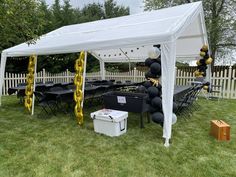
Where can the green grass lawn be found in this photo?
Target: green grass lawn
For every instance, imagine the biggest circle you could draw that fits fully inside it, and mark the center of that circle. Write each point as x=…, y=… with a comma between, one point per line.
x=57, y=146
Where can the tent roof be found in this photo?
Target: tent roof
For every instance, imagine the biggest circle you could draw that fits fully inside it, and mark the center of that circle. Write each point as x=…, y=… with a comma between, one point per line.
x=126, y=38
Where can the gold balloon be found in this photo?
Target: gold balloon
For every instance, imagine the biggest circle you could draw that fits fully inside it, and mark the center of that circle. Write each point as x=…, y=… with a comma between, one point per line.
x=78, y=81
x=204, y=48
x=205, y=87
x=196, y=73
x=202, y=54
x=198, y=62
x=209, y=61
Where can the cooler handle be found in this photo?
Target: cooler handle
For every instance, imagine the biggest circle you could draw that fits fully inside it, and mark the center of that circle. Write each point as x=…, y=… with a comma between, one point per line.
x=122, y=129
x=111, y=118
x=94, y=117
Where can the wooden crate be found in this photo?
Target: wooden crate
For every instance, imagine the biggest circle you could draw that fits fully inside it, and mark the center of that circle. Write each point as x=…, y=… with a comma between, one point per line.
x=220, y=130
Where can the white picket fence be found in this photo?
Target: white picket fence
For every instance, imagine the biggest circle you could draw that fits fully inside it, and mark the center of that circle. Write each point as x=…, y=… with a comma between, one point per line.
x=226, y=78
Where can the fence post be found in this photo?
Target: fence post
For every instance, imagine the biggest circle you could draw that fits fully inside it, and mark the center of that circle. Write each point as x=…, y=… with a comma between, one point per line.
x=105, y=76
x=67, y=75
x=43, y=75
x=229, y=82
x=135, y=74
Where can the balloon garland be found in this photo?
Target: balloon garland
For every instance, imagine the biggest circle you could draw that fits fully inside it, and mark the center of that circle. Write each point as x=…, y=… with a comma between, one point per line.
x=78, y=94
x=203, y=62
x=154, y=88
x=30, y=83
x=202, y=66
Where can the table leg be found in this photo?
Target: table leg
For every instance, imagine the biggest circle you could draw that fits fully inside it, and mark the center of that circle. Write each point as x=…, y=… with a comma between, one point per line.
x=141, y=121
x=148, y=117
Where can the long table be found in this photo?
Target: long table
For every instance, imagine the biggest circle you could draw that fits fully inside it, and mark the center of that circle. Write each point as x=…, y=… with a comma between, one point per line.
x=12, y=90
x=180, y=91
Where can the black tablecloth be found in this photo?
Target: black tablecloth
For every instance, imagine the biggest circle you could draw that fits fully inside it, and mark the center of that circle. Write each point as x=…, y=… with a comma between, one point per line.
x=180, y=91
x=16, y=89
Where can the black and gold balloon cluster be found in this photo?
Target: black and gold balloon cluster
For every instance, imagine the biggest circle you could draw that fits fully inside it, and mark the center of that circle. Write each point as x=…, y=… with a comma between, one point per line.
x=203, y=62
x=78, y=94
x=154, y=90
x=30, y=83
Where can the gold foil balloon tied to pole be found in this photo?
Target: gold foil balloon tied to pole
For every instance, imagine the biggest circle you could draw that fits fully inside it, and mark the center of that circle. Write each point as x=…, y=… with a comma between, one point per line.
x=30, y=78
x=30, y=82
x=78, y=82
x=154, y=81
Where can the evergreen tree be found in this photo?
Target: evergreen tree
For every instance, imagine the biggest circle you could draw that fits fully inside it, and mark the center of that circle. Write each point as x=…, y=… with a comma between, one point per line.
x=56, y=14
x=68, y=14
x=113, y=10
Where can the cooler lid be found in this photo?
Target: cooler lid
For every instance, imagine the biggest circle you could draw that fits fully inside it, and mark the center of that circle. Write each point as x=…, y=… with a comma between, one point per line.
x=109, y=115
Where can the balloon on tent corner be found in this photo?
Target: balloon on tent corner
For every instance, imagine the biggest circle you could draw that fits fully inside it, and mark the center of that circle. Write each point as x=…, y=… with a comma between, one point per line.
x=174, y=118
x=154, y=53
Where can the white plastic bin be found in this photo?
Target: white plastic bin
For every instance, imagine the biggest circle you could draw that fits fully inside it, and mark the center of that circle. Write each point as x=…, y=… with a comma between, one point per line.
x=110, y=122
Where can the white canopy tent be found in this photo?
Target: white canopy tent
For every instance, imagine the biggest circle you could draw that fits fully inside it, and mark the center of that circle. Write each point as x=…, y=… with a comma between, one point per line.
x=180, y=31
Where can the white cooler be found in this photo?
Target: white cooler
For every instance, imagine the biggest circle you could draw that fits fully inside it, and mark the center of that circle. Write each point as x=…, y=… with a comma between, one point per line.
x=110, y=122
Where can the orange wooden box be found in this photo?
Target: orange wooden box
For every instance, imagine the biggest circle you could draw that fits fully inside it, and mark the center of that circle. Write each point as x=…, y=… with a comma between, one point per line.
x=220, y=130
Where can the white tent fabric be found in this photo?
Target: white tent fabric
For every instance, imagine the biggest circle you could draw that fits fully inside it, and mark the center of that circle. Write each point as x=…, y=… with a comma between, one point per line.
x=180, y=31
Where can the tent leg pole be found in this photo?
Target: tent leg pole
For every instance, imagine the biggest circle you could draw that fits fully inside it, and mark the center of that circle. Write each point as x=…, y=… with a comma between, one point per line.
x=167, y=142
x=84, y=75
x=102, y=70
x=35, y=77
x=2, y=75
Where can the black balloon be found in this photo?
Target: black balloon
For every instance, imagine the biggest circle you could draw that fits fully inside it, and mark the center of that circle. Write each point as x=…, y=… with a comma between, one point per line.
x=206, y=56
x=157, y=103
x=159, y=87
x=158, y=117
x=147, y=84
x=202, y=61
x=149, y=75
x=148, y=100
x=149, y=61
x=141, y=89
x=202, y=68
x=158, y=60
x=153, y=92
x=153, y=109
x=155, y=69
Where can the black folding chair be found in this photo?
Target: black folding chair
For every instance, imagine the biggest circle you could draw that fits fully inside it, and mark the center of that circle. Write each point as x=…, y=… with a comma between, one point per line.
x=47, y=105
x=184, y=103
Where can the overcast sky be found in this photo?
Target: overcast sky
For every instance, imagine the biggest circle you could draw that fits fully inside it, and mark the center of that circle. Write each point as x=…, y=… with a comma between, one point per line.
x=135, y=6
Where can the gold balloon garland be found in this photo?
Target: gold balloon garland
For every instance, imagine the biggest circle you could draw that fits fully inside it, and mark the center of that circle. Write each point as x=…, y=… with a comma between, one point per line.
x=155, y=82
x=206, y=60
x=30, y=83
x=78, y=94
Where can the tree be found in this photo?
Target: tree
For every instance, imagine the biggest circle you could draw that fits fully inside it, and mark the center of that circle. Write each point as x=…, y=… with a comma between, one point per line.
x=29, y=19
x=113, y=10
x=46, y=15
x=68, y=15
x=19, y=22
x=56, y=14
x=220, y=22
x=91, y=12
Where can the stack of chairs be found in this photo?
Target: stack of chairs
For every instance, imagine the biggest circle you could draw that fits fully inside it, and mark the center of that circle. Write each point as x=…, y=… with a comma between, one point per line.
x=188, y=102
